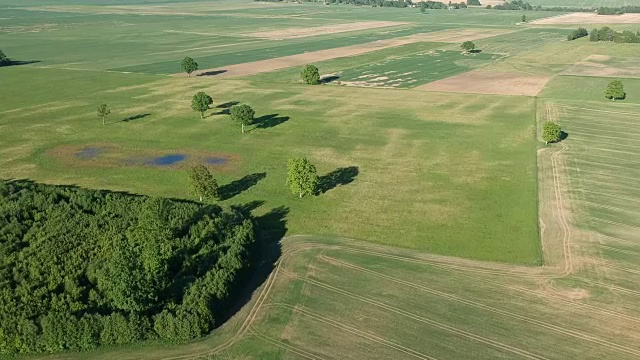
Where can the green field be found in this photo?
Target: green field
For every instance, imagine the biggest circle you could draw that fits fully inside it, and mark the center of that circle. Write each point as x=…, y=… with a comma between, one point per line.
x=585, y=3
x=435, y=210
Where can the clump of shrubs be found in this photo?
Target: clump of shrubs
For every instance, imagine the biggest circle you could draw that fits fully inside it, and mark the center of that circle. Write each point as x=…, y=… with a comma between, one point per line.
x=578, y=33
x=608, y=34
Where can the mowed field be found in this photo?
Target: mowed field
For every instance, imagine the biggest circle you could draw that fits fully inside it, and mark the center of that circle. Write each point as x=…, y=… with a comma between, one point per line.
x=436, y=206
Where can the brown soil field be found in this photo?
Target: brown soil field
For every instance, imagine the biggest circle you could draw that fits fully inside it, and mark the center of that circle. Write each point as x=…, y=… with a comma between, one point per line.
x=293, y=33
x=589, y=18
x=255, y=67
x=595, y=65
x=485, y=82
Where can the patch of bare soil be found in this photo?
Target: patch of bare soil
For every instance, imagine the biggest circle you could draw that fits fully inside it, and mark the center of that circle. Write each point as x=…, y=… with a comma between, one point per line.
x=293, y=33
x=589, y=18
x=485, y=82
x=261, y=66
x=594, y=66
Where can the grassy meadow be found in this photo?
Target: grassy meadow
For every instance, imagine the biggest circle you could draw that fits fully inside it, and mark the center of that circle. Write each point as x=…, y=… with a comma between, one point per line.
x=415, y=186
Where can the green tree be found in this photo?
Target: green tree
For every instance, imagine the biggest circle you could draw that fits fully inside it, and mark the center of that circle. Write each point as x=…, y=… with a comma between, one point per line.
x=203, y=184
x=302, y=176
x=242, y=114
x=551, y=132
x=524, y=18
x=201, y=103
x=468, y=46
x=615, y=90
x=4, y=60
x=310, y=75
x=593, y=35
x=103, y=112
x=189, y=65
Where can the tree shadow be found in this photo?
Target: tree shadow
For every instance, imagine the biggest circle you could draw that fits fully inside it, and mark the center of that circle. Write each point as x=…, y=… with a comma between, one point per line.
x=563, y=135
x=228, y=104
x=341, y=176
x=19, y=63
x=270, y=229
x=268, y=121
x=135, y=117
x=328, y=79
x=212, y=73
x=475, y=51
x=225, y=108
x=238, y=186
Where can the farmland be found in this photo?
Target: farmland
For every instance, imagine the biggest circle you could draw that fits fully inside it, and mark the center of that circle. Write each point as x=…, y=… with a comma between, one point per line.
x=442, y=225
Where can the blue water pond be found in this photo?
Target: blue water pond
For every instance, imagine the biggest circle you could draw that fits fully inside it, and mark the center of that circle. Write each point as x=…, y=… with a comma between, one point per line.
x=167, y=160
x=88, y=153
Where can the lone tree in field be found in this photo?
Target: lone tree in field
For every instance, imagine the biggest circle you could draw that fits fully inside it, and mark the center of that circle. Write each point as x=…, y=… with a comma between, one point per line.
x=103, y=112
x=468, y=46
x=302, y=176
x=242, y=114
x=551, y=132
x=4, y=60
x=201, y=103
x=189, y=65
x=310, y=75
x=203, y=185
x=524, y=18
x=615, y=91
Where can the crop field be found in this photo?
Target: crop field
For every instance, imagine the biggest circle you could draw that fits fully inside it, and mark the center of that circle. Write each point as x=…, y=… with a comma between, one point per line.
x=442, y=228
x=585, y=3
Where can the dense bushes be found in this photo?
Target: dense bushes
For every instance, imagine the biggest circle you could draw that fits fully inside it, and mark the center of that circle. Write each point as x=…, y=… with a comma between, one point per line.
x=514, y=5
x=608, y=34
x=578, y=33
x=82, y=268
x=474, y=2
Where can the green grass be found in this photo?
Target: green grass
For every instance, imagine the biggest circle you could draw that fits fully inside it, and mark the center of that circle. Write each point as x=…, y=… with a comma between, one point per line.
x=588, y=88
x=585, y=3
x=426, y=179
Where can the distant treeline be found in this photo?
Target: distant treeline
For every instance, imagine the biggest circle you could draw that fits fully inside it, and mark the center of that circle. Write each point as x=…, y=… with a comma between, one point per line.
x=519, y=5
x=578, y=33
x=608, y=34
x=83, y=268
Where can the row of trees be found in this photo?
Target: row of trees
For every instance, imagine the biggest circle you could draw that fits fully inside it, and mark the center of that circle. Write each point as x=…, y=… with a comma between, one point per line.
x=608, y=34
x=578, y=33
x=83, y=268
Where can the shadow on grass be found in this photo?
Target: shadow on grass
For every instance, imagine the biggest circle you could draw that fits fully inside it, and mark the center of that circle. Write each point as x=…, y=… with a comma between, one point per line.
x=271, y=228
x=338, y=177
x=268, y=121
x=475, y=51
x=19, y=63
x=328, y=79
x=563, y=135
x=136, y=117
x=212, y=73
x=238, y=186
x=225, y=107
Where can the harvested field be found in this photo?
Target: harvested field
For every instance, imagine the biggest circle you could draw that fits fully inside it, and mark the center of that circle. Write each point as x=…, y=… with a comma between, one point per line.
x=484, y=82
x=261, y=66
x=294, y=33
x=458, y=35
x=589, y=18
x=605, y=66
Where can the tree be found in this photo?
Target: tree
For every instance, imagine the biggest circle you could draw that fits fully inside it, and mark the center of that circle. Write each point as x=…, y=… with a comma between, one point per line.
x=103, y=112
x=242, y=114
x=551, y=132
x=524, y=18
x=302, y=176
x=189, y=65
x=468, y=46
x=201, y=103
x=203, y=185
x=615, y=91
x=4, y=60
x=310, y=75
